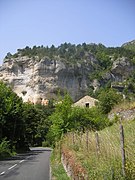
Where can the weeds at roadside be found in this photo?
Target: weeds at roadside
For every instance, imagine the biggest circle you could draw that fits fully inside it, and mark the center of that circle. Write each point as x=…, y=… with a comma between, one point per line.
x=105, y=164
x=57, y=170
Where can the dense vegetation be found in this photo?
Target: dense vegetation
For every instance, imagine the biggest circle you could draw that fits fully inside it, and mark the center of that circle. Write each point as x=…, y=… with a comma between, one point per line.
x=130, y=45
x=23, y=124
x=73, y=53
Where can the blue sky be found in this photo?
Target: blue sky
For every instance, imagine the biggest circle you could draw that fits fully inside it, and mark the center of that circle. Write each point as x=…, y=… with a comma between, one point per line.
x=46, y=22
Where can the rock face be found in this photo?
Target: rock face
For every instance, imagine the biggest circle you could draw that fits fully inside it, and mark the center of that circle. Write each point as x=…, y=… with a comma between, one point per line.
x=35, y=80
x=120, y=71
x=128, y=114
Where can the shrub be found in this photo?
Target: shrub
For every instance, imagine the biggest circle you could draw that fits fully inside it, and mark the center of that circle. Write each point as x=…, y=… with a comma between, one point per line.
x=4, y=149
x=108, y=99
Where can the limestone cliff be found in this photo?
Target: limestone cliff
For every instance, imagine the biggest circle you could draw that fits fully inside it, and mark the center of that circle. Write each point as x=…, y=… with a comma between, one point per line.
x=121, y=69
x=35, y=80
x=40, y=73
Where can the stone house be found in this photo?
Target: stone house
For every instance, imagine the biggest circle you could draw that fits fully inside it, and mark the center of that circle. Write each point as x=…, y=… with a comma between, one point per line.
x=86, y=101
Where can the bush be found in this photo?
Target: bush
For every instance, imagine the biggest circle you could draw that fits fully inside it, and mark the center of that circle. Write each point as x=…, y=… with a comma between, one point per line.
x=45, y=144
x=5, y=149
x=108, y=99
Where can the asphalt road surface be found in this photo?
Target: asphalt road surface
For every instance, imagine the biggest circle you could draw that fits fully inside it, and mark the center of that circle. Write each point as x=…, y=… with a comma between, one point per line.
x=34, y=165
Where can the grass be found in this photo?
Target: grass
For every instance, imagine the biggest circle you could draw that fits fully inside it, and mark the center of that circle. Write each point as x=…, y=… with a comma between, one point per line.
x=105, y=164
x=126, y=105
x=58, y=172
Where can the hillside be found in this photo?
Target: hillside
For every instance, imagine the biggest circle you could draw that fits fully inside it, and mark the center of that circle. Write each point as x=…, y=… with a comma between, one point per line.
x=98, y=155
x=129, y=45
x=40, y=73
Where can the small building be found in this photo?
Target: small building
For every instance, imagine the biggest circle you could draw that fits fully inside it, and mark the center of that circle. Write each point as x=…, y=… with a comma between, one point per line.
x=86, y=101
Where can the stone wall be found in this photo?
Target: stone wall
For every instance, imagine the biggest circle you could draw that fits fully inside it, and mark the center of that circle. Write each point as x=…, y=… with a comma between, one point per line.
x=128, y=114
x=72, y=167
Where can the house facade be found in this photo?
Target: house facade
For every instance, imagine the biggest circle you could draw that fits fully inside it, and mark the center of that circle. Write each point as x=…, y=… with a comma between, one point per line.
x=86, y=101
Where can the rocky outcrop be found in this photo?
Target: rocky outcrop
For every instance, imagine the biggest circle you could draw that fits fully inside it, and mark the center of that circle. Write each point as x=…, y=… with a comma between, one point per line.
x=127, y=114
x=36, y=80
x=120, y=71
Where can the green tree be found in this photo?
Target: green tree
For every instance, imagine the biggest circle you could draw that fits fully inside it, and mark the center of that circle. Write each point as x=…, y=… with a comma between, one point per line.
x=37, y=123
x=11, y=122
x=107, y=99
x=22, y=123
x=8, y=56
x=104, y=59
x=60, y=119
x=88, y=118
x=31, y=119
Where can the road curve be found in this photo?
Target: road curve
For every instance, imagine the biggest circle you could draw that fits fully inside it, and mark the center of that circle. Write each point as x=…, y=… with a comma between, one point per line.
x=34, y=165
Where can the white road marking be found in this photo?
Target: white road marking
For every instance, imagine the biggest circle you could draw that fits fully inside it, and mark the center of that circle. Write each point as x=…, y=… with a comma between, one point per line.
x=12, y=166
x=29, y=157
x=22, y=161
x=2, y=173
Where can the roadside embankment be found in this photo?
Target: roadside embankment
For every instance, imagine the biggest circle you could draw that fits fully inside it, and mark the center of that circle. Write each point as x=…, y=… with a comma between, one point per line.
x=72, y=167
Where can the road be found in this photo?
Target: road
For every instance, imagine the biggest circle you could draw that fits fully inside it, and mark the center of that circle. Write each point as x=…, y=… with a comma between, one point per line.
x=34, y=165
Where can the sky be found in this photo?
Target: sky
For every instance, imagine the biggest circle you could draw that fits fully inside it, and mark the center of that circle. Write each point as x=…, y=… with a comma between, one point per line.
x=46, y=22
